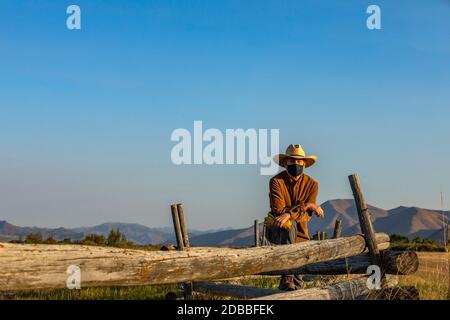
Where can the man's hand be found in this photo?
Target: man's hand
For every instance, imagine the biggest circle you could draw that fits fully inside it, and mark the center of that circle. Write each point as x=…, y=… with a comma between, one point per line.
x=281, y=219
x=316, y=208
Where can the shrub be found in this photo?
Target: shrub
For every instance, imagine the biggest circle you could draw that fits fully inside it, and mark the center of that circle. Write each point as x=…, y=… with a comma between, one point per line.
x=34, y=238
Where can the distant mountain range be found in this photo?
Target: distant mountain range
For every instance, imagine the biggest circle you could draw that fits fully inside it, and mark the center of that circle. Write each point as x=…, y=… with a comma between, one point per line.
x=137, y=233
x=406, y=221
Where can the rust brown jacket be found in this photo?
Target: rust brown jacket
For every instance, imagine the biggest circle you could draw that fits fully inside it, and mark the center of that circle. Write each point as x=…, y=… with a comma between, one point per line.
x=289, y=196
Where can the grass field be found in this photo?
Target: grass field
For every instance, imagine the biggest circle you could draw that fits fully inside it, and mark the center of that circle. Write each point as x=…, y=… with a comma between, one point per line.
x=433, y=277
x=432, y=280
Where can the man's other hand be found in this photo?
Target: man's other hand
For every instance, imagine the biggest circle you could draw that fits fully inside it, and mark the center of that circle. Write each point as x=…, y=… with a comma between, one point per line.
x=316, y=208
x=281, y=219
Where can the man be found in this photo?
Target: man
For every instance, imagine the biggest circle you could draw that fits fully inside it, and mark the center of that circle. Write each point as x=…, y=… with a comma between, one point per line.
x=293, y=196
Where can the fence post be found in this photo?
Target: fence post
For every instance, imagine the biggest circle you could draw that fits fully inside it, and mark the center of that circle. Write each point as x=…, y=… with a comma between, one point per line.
x=337, y=229
x=176, y=226
x=263, y=236
x=183, y=225
x=364, y=220
x=256, y=230
x=182, y=240
x=318, y=235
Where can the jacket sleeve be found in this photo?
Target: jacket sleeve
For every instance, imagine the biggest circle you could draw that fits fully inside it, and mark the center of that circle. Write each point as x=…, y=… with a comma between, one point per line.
x=278, y=204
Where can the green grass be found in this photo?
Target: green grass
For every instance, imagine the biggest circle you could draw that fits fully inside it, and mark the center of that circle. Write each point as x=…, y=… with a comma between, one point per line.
x=157, y=292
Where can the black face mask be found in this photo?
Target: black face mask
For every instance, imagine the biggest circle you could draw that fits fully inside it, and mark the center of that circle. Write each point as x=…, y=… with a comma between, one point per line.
x=295, y=169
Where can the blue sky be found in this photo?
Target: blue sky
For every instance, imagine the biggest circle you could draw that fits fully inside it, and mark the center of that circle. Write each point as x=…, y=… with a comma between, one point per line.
x=86, y=115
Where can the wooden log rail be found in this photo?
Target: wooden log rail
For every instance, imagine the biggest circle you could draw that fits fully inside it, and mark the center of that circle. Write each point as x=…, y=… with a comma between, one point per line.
x=394, y=262
x=26, y=266
x=345, y=290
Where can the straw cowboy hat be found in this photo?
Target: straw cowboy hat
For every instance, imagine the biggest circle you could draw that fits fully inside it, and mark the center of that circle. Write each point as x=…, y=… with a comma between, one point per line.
x=295, y=151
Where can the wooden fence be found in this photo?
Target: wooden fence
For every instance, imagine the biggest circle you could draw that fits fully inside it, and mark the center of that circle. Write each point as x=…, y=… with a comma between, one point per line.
x=29, y=266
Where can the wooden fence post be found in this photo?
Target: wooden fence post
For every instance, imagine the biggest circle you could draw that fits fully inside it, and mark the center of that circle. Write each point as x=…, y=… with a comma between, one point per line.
x=187, y=286
x=256, y=230
x=177, y=228
x=364, y=220
x=263, y=236
x=337, y=229
x=183, y=225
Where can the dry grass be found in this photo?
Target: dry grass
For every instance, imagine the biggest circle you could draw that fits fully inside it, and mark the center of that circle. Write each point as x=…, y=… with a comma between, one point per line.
x=433, y=277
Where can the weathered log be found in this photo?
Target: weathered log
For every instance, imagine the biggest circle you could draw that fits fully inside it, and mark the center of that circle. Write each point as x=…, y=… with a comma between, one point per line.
x=232, y=290
x=24, y=266
x=394, y=262
x=345, y=290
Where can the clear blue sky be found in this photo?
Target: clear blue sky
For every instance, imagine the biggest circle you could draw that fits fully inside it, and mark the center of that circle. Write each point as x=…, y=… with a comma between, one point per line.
x=86, y=116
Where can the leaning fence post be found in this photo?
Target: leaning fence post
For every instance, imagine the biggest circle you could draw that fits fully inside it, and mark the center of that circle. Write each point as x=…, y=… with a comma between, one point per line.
x=256, y=230
x=364, y=220
x=183, y=225
x=337, y=229
x=176, y=226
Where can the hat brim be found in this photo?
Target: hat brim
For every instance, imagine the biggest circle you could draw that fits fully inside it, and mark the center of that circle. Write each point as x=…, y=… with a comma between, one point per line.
x=309, y=160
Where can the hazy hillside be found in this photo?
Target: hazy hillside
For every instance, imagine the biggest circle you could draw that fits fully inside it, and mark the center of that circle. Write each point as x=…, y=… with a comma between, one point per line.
x=134, y=232
x=11, y=232
x=439, y=235
x=137, y=233
x=410, y=221
x=344, y=210
x=232, y=237
x=407, y=221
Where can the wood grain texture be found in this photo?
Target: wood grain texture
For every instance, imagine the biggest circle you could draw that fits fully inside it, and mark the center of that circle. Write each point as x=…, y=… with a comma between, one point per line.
x=345, y=290
x=394, y=262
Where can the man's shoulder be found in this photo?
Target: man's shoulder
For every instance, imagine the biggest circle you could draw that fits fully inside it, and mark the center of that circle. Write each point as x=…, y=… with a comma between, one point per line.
x=279, y=176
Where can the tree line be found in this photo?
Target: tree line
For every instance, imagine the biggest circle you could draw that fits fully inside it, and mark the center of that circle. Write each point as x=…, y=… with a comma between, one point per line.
x=399, y=242
x=115, y=238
